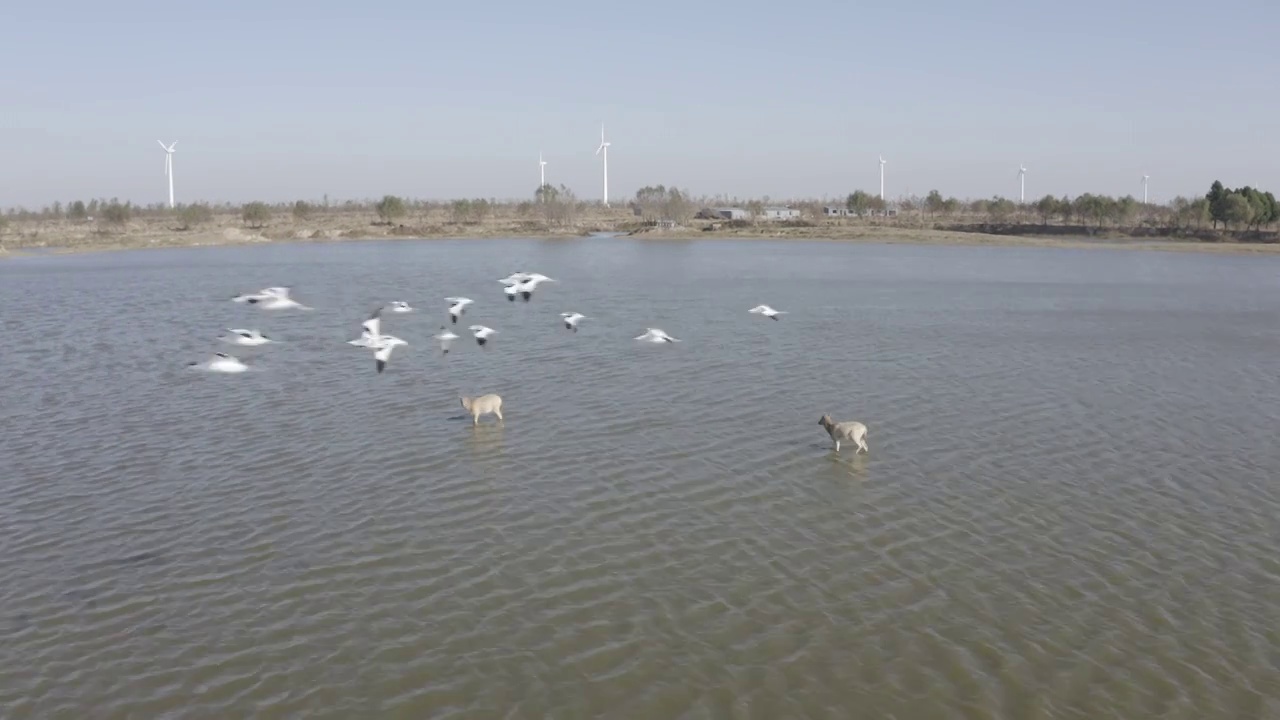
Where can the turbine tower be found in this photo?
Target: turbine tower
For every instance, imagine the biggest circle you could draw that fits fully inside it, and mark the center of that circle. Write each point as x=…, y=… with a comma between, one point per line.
x=881, y=177
x=168, y=166
x=1022, y=183
x=604, y=148
x=1145, y=178
x=542, y=168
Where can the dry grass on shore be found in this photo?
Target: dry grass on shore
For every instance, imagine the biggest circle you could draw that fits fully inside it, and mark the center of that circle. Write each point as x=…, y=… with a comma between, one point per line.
x=229, y=228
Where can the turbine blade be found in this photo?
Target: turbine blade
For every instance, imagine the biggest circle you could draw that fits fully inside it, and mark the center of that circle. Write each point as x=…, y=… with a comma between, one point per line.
x=162, y=145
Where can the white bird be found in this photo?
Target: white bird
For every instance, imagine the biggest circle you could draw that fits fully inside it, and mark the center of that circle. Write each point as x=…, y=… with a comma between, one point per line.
x=399, y=306
x=277, y=299
x=482, y=334
x=446, y=338
x=372, y=336
x=381, y=357
x=571, y=320
x=654, y=335
x=523, y=289
x=263, y=294
x=515, y=277
x=767, y=311
x=241, y=336
x=222, y=362
x=457, y=306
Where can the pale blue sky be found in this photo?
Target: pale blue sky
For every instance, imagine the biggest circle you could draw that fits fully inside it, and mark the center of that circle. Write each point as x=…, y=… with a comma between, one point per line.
x=279, y=101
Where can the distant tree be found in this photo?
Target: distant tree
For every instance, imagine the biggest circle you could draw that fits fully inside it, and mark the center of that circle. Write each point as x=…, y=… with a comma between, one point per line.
x=76, y=210
x=950, y=206
x=658, y=202
x=1216, y=196
x=480, y=209
x=1093, y=208
x=4, y=224
x=999, y=209
x=301, y=210
x=1192, y=213
x=117, y=214
x=754, y=208
x=858, y=203
x=560, y=206
x=650, y=199
x=94, y=206
x=1065, y=209
x=390, y=208
x=877, y=204
x=255, y=214
x=461, y=211
x=1124, y=209
x=934, y=203
x=56, y=210
x=1262, y=206
x=546, y=194
x=1235, y=210
x=194, y=214
x=524, y=209
x=1047, y=208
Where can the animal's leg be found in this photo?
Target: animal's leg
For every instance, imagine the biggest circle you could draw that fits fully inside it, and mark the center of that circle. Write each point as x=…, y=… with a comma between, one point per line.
x=498, y=412
x=837, y=446
x=475, y=420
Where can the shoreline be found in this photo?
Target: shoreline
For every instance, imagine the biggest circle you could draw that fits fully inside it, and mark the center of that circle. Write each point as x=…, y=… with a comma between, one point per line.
x=232, y=237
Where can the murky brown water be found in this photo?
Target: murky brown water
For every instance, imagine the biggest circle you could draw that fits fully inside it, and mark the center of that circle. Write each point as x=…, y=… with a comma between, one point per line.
x=1070, y=509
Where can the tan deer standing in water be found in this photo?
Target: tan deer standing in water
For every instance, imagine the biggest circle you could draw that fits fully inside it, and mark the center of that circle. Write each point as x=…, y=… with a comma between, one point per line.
x=483, y=405
x=849, y=431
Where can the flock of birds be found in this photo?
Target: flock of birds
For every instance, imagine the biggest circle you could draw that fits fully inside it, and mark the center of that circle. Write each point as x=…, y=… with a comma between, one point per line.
x=520, y=284
x=517, y=284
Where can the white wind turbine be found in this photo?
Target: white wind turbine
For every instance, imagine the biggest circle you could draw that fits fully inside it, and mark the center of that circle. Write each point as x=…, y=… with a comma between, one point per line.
x=604, y=148
x=881, y=177
x=542, y=169
x=168, y=166
x=1145, y=178
x=1022, y=183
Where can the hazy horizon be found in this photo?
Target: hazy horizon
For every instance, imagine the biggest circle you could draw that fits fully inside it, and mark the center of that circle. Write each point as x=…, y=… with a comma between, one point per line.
x=281, y=101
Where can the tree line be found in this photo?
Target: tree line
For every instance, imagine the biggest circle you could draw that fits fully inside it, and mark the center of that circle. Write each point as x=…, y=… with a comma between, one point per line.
x=1240, y=209
x=1244, y=208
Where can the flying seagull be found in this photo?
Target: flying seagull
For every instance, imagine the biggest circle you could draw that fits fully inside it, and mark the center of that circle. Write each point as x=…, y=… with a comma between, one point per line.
x=241, y=336
x=457, y=306
x=767, y=311
x=482, y=334
x=571, y=320
x=655, y=335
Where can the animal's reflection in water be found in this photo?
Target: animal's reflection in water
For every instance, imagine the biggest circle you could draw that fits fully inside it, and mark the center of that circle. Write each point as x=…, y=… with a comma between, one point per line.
x=851, y=465
x=485, y=439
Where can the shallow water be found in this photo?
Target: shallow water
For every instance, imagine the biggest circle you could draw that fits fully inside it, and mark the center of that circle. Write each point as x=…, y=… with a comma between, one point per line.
x=1069, y=509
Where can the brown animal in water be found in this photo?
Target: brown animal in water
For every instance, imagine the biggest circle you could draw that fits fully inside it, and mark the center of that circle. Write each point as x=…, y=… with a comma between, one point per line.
x=483, y=405
x=849, y=431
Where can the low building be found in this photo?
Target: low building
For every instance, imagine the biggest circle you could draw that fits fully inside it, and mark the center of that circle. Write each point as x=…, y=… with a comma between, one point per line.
x=781, y=213
x=835, y=211
x=723, y=213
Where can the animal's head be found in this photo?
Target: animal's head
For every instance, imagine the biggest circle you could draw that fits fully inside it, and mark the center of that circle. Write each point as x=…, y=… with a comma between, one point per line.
x=466, y=402
x=825, y=421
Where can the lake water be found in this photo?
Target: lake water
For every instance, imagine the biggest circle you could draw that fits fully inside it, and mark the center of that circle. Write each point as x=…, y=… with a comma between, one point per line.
x=1070, y=506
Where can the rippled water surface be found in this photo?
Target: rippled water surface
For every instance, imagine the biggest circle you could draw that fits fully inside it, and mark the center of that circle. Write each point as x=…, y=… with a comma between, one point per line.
x=1069, y=510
